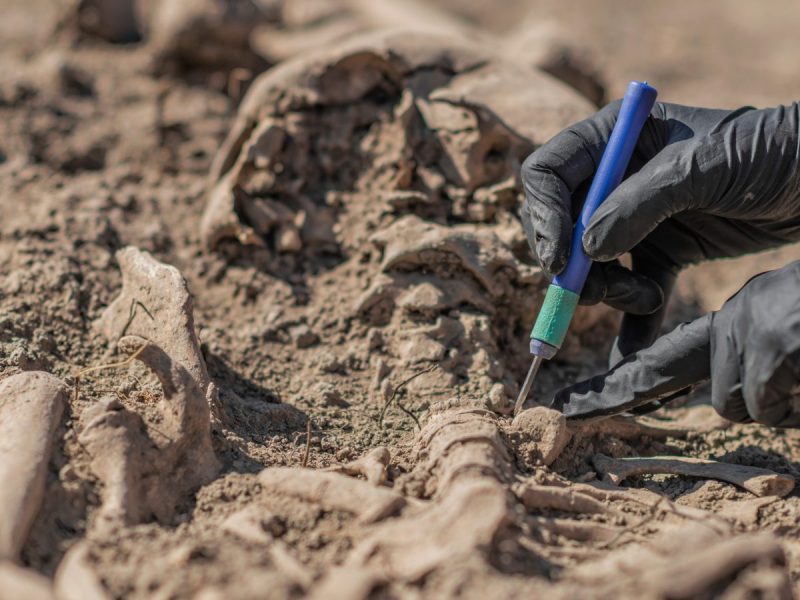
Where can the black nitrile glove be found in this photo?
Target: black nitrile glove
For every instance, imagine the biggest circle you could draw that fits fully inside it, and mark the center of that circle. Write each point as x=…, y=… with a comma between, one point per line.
x=750, y=349
x=702, y=184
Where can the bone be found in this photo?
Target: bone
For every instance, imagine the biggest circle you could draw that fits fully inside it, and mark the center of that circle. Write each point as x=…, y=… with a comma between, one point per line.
x=535, y=43
x=611, y=495
x=689, y=574
x=479, y=146
x=480, y=253
x=332, y=491
x=31, y=405
x=145, y=470
x=538, y=497
x=683, y=562
x=155, y=304
x=348, y=582
x=18, y=582
x=372, y=466
x=761, y=482
x=146, y=473
x=462, y=444
x=463, y=460
x=580, y=531
x=75, y=579
x=464, y=522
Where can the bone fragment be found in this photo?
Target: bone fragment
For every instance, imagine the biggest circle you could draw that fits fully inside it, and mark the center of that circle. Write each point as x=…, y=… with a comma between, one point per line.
x=19, y=582
x=580, y=531
x=690, y=574
x=372, y=466
x=761, y=482
x=147, y=476
x=31, y=405
x=539, y=497
x=155, y=304
x=75, y=579
x=333, y=491
x=461, y=523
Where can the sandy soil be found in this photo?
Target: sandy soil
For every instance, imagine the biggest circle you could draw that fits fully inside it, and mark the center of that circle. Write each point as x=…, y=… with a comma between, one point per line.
x=271, y=260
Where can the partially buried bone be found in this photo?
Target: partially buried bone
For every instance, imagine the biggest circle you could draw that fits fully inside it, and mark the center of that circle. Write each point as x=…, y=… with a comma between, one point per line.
x=31, y=405
x=362, y=117
x=75, y=577
x=458, y=445
x=155, y=304
x=686, y=562
x=479, y=252
x=19, y=582
x=372, y=466
x=539, y=497
x=465, y=521
x=145, y=470
x=464, y=461
x=761, y=482
x=463, y=468
x=332, y=491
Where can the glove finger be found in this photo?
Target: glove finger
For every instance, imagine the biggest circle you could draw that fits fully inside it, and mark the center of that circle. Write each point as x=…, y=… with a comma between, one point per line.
x=726, y=384
x=639, y=331
x=661, y=188
x=552, y=175
x=621, y=289
x=773, y=400
x=677, y=360
x=546, y=219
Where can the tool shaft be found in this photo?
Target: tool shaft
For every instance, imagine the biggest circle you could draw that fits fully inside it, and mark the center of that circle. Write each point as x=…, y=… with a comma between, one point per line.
x=526, y=387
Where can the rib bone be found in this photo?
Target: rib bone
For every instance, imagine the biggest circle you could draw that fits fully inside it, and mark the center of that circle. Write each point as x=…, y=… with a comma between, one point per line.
x=761, y=482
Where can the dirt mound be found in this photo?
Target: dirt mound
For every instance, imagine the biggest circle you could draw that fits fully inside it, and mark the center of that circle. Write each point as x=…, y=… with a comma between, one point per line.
x=330, y=150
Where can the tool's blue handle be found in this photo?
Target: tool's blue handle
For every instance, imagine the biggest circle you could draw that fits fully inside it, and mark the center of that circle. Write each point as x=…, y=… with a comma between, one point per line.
x=636, y=106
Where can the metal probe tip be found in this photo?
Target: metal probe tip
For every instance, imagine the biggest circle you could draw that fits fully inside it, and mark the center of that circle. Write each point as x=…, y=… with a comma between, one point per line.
x=526, y=387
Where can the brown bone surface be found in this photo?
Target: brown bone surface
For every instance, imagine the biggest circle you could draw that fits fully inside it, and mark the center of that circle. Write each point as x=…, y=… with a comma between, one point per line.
x=147, y=468
x=31, y=405
x=761, y=482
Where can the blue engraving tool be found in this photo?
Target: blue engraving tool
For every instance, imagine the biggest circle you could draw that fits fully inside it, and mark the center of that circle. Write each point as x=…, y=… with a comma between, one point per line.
x=563, y=294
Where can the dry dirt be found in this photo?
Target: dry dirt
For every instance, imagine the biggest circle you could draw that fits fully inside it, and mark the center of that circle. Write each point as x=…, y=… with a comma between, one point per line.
x=264, y=302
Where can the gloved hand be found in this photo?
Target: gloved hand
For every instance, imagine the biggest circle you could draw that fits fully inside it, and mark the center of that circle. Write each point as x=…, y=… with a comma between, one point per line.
x=750, y=349
x=701, y=184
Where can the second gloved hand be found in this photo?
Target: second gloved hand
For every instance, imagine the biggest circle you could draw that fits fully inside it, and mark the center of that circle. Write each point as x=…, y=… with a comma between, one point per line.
x=750, y=349
x=702, y=184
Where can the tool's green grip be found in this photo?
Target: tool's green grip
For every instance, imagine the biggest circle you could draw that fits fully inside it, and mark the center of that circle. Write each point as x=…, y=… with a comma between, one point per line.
x=555, y=315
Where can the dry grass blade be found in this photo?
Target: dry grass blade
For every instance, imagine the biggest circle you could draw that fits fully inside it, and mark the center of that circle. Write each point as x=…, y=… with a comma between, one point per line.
x=307, y=453
x=393, y=397
x=115, y=365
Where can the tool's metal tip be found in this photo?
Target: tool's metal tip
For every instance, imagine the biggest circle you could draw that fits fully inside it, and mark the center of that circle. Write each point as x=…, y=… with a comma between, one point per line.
x=526, y=387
